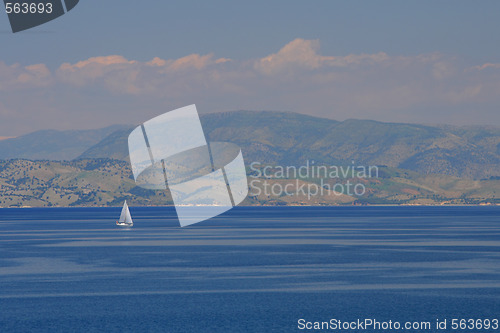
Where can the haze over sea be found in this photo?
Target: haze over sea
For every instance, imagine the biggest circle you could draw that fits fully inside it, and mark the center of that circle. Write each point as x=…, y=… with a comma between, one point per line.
x=252, y=269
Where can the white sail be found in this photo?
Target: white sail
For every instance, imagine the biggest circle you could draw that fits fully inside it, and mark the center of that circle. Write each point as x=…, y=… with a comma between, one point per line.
x=124, y=212
x=125, y=217
x=128, y=217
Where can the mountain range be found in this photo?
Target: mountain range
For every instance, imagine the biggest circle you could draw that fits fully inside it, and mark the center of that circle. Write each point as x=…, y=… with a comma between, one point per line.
x=54, y=145
x=281, y=138
x=417, y=164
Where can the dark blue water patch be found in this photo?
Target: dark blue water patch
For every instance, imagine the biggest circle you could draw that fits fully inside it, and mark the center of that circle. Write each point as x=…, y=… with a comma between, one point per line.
x=237, y=312
x=252, y=269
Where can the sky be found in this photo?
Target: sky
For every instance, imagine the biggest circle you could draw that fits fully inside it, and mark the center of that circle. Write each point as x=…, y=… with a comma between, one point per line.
x=123, y=62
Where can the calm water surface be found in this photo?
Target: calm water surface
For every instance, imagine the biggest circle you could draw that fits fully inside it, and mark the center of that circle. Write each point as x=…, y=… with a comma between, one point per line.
x=249, y=270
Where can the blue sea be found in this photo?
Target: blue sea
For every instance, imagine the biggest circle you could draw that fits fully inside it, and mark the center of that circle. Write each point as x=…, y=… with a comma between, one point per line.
x=253, y=269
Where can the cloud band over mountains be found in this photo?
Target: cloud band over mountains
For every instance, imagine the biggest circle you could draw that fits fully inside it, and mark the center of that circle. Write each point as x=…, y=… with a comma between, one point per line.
x=103, y=90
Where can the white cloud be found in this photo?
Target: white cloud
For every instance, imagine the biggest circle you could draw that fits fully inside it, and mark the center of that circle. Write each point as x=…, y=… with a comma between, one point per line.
x=17, y=77
x=423, y=88
x=487, y=66
x=110, y=68
x=304, y=54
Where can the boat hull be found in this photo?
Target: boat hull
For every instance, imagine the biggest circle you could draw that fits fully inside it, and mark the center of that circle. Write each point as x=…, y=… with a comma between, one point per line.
x=124, y=225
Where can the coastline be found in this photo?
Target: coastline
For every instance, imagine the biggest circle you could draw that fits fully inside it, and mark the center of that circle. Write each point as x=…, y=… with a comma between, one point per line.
x=281, y=206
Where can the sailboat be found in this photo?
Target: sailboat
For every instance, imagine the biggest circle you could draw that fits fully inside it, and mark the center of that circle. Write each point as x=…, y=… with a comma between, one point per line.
x=125, y=218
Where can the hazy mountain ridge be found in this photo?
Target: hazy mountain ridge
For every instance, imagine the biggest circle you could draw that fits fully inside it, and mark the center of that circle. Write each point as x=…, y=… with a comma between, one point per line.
x=52, y=144
x=281, y=138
